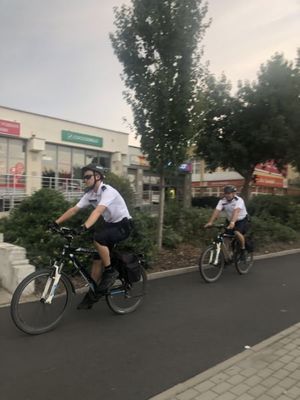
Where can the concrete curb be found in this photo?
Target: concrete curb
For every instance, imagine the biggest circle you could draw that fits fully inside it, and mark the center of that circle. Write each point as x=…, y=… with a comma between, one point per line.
x=5, y=300
x=179, y=271
x=197, y=379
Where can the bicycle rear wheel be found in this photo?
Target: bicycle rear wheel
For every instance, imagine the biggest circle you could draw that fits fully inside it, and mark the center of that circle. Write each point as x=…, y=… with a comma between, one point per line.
x=30, y=310
x=124, y=297
x=243, y=266
x=209, y=270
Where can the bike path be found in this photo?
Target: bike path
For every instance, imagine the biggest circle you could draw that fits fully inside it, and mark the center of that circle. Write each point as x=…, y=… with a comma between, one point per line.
x=184, y=328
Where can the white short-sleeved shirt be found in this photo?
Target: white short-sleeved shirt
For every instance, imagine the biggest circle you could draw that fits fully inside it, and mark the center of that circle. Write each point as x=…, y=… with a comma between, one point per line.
x=229, y=206
x=109, y=197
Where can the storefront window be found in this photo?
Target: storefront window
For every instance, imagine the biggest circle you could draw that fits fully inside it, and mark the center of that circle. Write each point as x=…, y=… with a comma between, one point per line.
x=16, y=163
x=97, y=158
x=77, y=163
x=3, y=156
x=64, y=162
x=49, y=160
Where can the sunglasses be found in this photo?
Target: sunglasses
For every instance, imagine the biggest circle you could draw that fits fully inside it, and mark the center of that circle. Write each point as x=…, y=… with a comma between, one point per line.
x=87, y=177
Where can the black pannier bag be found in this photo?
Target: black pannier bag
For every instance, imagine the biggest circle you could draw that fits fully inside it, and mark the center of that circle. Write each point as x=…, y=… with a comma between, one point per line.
x=249, y=244
x=132, y=266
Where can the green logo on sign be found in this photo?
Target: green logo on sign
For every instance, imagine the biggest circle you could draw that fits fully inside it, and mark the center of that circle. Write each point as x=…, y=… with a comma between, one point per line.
x=74, y=137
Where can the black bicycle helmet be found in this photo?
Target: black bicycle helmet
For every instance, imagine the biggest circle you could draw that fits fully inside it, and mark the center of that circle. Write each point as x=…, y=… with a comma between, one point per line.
x=229, y=189
x=95, y=168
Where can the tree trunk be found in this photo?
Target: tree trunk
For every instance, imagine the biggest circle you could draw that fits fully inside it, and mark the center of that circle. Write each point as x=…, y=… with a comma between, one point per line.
x=161, y=210
x=245, y=194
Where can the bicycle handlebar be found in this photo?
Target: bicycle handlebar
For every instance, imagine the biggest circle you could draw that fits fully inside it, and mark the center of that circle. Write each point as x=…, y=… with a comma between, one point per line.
x=218, y=226
x=63, y=231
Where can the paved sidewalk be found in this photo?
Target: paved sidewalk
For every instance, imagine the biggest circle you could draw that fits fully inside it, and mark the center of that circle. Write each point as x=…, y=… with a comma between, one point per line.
x=269, y=370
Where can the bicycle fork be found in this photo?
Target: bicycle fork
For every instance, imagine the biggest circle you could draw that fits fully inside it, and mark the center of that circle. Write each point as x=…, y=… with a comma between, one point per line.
x=214, y=256
x=51, y=284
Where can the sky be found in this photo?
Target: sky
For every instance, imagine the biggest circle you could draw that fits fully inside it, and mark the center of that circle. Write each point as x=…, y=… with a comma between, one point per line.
x=56, y=58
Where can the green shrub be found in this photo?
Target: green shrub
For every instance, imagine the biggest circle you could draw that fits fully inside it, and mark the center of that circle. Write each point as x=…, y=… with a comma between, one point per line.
x=144, y=236
x=279, y=207
x=123, y=187
x=205, y=201
x=26, y=225
x=187, y=222
x=268, y=230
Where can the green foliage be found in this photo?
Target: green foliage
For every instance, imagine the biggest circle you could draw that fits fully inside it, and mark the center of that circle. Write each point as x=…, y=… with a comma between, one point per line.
x=26, y=225
x=268, y=231
x=142, y=239
x=205, y=201
x=122, y=185
x=284, y=210
x=184, y=225
x=260, y=123
x=158, y=44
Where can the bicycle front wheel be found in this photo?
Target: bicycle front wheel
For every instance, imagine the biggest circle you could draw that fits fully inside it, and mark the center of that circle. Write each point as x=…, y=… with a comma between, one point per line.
x=211, y=266
x=125, y=298
x=33, y=309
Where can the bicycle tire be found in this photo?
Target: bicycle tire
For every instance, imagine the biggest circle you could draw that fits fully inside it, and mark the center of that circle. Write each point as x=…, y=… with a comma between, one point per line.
x=124, y=301
x=210, y=272
x=27, y=302
x=244, y=266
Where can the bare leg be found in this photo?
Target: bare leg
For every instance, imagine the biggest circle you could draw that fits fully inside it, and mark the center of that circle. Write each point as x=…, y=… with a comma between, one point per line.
x=97, y=270
x=240, y=238
x=103, y=253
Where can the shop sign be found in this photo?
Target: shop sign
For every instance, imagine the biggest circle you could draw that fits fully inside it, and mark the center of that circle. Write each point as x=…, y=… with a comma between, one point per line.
x=185, y=167
x=270, y=181
x=139, y=160
x=80, y=138
x=9, y=127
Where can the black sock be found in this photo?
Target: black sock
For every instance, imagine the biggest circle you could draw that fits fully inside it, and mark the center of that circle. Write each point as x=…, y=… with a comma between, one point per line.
x=109, y=268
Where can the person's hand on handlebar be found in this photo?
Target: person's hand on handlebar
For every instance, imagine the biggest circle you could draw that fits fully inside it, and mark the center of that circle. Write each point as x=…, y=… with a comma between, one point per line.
x=53, y=226
x=208, y=225
x=81, y=229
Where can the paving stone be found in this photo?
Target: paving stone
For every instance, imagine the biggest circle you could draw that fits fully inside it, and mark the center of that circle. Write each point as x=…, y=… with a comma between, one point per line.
x=257, y=391
x=209, y=395
x=296, y=374
x=240, y=389
x=204, y=386
x=234, y=380
x=221, y=387
x=253, y=381
x=294, y=392
x=221, y=377
x=188, y=394
x=270, y=382
x=287, y=383
x=292, y=366
x=226, y=396
x=265, y=373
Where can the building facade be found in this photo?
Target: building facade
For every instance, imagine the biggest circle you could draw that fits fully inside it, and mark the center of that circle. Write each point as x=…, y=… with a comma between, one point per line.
x=39, y=151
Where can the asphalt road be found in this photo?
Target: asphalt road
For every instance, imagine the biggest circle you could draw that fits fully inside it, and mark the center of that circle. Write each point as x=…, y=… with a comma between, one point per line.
x=184, y=327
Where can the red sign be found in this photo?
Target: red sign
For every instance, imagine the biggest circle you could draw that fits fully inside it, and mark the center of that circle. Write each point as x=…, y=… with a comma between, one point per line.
x=270, y=181
x=9, y=127
x=269, y=167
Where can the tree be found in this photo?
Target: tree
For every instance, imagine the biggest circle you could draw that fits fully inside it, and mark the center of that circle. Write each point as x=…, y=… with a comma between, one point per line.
x=259, y=124
x=157, y=43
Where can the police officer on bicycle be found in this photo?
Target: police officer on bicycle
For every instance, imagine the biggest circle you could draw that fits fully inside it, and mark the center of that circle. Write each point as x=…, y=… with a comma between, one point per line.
x=108, y=203
x=236, y=213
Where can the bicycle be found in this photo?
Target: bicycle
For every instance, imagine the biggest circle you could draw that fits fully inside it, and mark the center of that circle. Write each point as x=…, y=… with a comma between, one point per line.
x=42, y=298
x=218, y=254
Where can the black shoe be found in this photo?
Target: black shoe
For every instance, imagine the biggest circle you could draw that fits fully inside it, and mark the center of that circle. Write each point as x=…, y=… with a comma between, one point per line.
x=243, y=255
x=88, y=301
x=108, y=279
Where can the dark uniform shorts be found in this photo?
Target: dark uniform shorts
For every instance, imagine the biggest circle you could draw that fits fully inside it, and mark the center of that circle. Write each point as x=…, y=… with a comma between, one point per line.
x=242, y=226
x=112, y=233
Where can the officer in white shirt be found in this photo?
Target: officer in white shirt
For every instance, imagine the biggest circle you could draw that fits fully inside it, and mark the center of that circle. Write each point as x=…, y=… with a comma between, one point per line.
x=108, y=203
x=236, y=213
